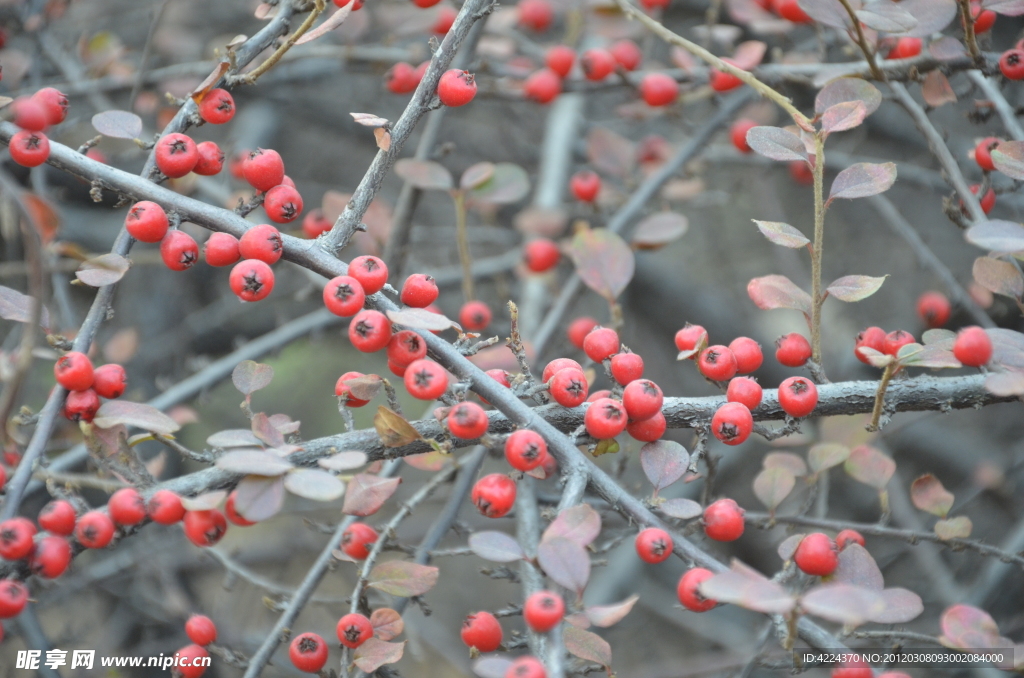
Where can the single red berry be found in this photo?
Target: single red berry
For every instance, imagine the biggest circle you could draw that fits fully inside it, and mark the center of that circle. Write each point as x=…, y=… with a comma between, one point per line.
x=315, y=223
x=541, y=255
x=655, y=4
x=237, y=164
x=791, y=11
x=798, y=396
x=659, y=89
x=723, y=520
x=109, y=381
x=500, y=376
x=354, y=630
x=343, y=296
x=401, y=78
x=816, y=555
x=217, y=108
x=494, y=495
x=179, y=250
x=126, y=507
x=1011, y=64
x=475, y=316
x=579, y=329
x=648, y=430
x=263, y=169
x=419, y=291
x=601, y=343
x=732, y=423
x=371, y=272
x=543, y=86
x=467, y=421
x=97, y=155
x=406, y=347
x=585, y=185
x=983, y=152
x=221, y=249
x=792, y=350
x=973, y=347
x=16, y=537
x=176, y=154
x=201, y=630
x=984, y=19
x=205, y=528
x=29, y=149
x=721, y=81
x=543, y=611
x=232, y=514
x=94, y=530
x=559, y=364
x=456, y=88
x=74, y=371
x=369, y=331
x=51, y=557
x=58, y=517
x=426, y=380
x=642, y=399
x=653, y=545
x=560, y=59
x=525, y=450
x=747, y=353
x=896, y=340
x=13, y=596
x=717, y=363
x=54, y=102
x=342, y=390
x=165, y=507
x=526, y=667
x=846, y=537
x=482, y=631
x=262, y=242
x=801, y=172
x=251, y=280
x=397, y=370
x=856, y=668
x=597, y=64
x=689, y=593
x=211, y=159
x=283, y=204
x=873, y=338
x=535, y=14
x=738, y=133
x=356, y=6
x=357, y=540
x=627, y=367
x=308, y=652
x=191, y=662
x=81, y=405
x=934, y=309
x=605, y=418
x=987, y=201
x=906, y=48
x=568, y=387
x=690, y=338
x=29, y=114
x=628, y=55
x=744, y=390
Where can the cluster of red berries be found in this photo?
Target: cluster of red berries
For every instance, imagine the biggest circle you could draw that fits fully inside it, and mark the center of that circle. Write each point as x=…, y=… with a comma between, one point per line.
x=201, y=630
x=972, y=346
x=308, y=651
x=542, y=612
x=74, y=371
x=33, y=114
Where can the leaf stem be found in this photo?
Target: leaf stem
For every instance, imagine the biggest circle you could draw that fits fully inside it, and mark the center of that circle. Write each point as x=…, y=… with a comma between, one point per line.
x=817, y=298
x=462, y=234
x=251, y=77
x=876, y=413
x=969, y=37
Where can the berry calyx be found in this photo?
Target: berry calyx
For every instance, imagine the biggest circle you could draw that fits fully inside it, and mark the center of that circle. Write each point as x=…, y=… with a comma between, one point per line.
x=744, y=390
x=176, y=155
x=179, y=250
x=568, y=387
x=221, y=249
x=201, y=630
x=627, y=367
x=732, y=423
x=653, y=545
x=308, y=652
x=354, y=630
x=456, y=88
x=283, y=204
x=934, y=309
x=28, y=148
x=467, y=421
x=723, y=520
x=344, y=296
x=425, y=379
x=482, y=631
x=494, y=495
x=659, y=89
x=605, y=418
x=58, y=517
x=263, y=169
x=525, y=450
x=747, y=353
x=146, y=221
x=717, y=363
x=896, y=340
x=126, y=507
x=165, y=508
x=369, y=331
x=543, y=611
x=585, y=185
x=217, y=108
x=357, y=540
x=601, y=343
x=973, y=347
x=792, y=350
x=251, y=280
x=94, y=530
x=74, y=371
x=688, y=590
x=798, y=396
x=371, y=272
x=406, y=347
x=642, y=399
x=205, y=528
x=816, y=555
x=475, y=316
x=419, y=290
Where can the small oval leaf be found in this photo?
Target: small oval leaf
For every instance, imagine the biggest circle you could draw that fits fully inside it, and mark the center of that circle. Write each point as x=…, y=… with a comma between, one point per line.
x=366, y=493
x=566, y=562
x=403, y=578
x=497, y=547
x=664, y=462
x=658, y=230
x=862, y=180
x=778, y=291
x=250, y=376
x=118, y=124
x=314, y=484
x=851, y=288
x=424, y=174
x=782, y=234
x=254, y=462
x=106, y=269
x=139, y=415
x=776, y=143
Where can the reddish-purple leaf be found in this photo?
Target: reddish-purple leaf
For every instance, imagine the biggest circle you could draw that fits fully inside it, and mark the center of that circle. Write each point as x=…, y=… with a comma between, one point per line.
x=326, y=27
x=580, y=523
x=851, y=288
x=683, y=509
x=946, y=48
x=843, y=90
x=254, y=462
x=901, y=606
x=773, y=485
x=497, y=547
x=870, y=466
x=365, y=387
x=747, y=588
x=954, y=528
x=998, y=276
x=258, y=497
x=424, y=174
x=475, y=175
x=610, y=152
x=312, y=483
x=1005, y=7
x=565, y=562
x=118, y=124
x=17, y=307
x=857, y=568
x=778, y=291
x=828, y=12
x=963, y=625
x=886, y=16
x=366, y=493
x=587, y=646
x=776, y=143
x=509, y=183
x=105, y=269
x=265, y=431
x=609, y=615
x=932, y=15
x=139, y=415
x=659, y=229
x=250, y=376
x=936, y=90
x=788, y=547
x=862, y=180
x=843, y=116
x=375, y=653
x=603, y=261
x=492, y=666
x=749, y=54
x=843, y=603
x=929, y=495
x=826, y=455
x=403, y=578
x=394, y=430
x=793, y=463
x=664, y=462
x=387, y=624
x=782, y=234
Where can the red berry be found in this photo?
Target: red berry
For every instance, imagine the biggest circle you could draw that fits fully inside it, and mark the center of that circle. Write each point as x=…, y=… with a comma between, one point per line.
x=425, y=379
x=791, y=11
x=29, y=114
x=191, y=663
x=983, y=152
x=543, y=86
x=653, y=545
x=906, y=48
x=535, y=14
x=896, y=340
x=371, y=273
x=605, y=418
x=475, y=316
x=315, y=223
x=642, y=399
x=251, y=280
x=738, y=133
x=217, y=108
x=585, y=185
x=627, y=367
x=744, y=390
x=29, y=149
x=747, y=353
x=597, y=64
x=262, y=242
x=126, y=507
x=354, y=630
x=659, y=89
x=900, y=674
x=16, y=537
x=732, y=423
x=873, y=338
x=342, y=390
x=541, y=255
x=853, y=669
x=283, y=204
x=654, y=4
x=500, y=376
x=51, y=557
x=308, y=652
x=493, y=495
x=419, y=291
x=401, y=78
x=406, y=347
x=579, y=329
x=717, y=363
x=58, y=517
x=205, y=528
x=798, y=396
x=343, y=296
x=792, y=350
x=525, y=450
x=54, y=102
x=221, y=249
x=1011, y=63
x=201, y=630
x=568, y=387
x=628, y=55
x=456, y=88
x=232, y=514
x=211, y=159
x=81, y=405
x=176, y=155
x=94, y=530
x=263, y=169
x=357, y=540
x=97, y=155
x=482, y=631
x=973, y=347
x=165, y=507
x=648, y=430
x=816, y=555
x=987, y=201
x=934, y=309
x=801, y=172
x=526, y=667
x=723, y=520
x=467, y=421
x=557, y=365
x=984, y=19
x=543, y=611
x=721, y=81
x=110, y=381
x=689, y=593
x=179, y=250
x=74, y=372
x=369, y=331
x=690, y=337
x=13, y=596
x=601, y=343
x=560, y=59
x=846, y=537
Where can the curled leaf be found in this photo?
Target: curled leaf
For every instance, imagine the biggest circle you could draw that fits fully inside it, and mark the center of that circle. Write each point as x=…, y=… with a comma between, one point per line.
x=327, y=26
x=394, y=430
x=105, y=269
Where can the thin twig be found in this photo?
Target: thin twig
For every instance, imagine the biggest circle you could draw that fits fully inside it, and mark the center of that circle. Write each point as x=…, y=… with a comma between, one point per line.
x=862, y=41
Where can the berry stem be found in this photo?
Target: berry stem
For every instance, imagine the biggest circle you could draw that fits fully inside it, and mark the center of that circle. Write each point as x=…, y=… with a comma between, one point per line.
x=319, y=6
x=462, y=235
x=969, y=37
x=862, y=42
x=817, y=298
x=876, y=413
